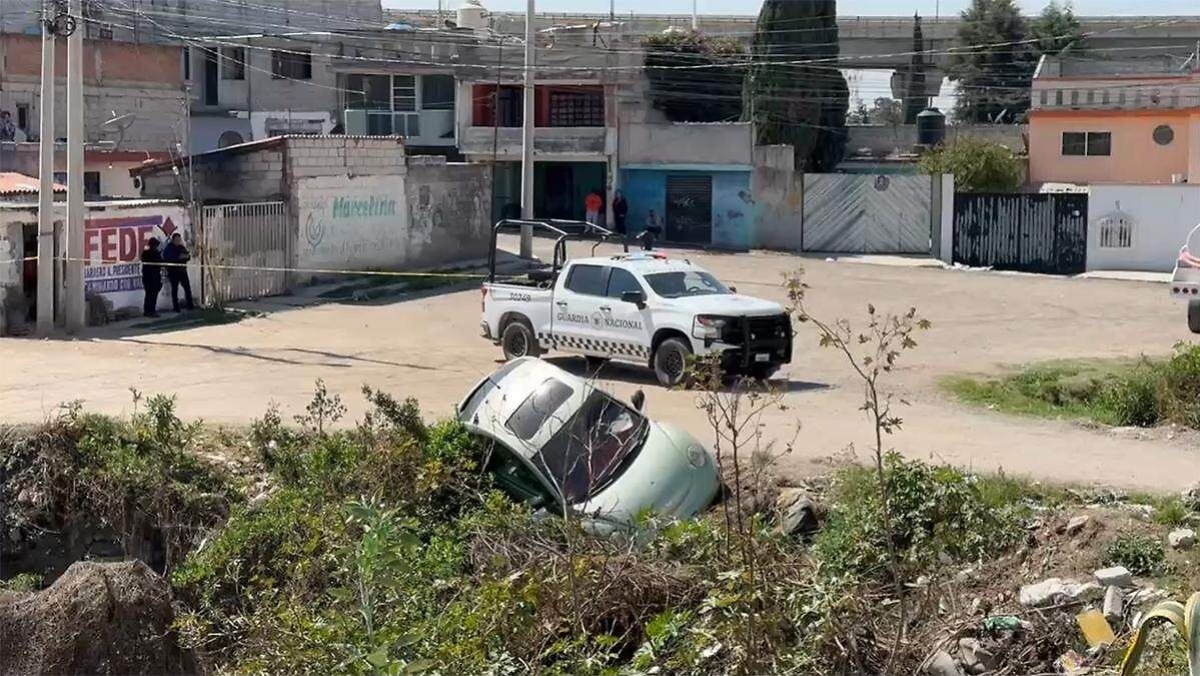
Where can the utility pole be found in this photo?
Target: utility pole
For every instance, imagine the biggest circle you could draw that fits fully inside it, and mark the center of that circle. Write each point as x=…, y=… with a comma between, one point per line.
x=45, y=248
x=527, y=101
x=76, y=310
x=695, y=21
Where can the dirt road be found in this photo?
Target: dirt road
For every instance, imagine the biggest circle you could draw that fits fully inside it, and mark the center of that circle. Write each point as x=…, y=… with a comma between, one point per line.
x=429, y=348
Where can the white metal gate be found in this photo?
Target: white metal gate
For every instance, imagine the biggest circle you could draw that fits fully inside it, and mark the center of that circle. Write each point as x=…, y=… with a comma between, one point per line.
x=246, y=251
x=855, y=213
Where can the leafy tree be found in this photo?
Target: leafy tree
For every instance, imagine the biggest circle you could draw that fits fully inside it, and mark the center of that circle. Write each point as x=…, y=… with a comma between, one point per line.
x=887, y=111
x=978, y=165
x=914, y=95
x=860, y=115
x=993, y=63
x=1056, y=29
x=795, y=93
x=710, y=94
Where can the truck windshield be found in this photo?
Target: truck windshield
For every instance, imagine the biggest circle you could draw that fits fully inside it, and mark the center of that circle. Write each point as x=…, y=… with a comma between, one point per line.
x=593, y=447
x=685, y=283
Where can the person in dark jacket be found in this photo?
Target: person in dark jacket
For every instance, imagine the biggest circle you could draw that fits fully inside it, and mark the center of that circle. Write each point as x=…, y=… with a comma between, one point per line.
x=177, y=255
x=620, y=211
x=151, y=276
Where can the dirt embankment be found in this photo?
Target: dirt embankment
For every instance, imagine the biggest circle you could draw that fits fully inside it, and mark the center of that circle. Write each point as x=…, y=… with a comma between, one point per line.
x=98, y=618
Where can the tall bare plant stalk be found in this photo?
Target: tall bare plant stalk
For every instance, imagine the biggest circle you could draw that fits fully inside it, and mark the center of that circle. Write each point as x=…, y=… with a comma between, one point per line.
x=871, y=353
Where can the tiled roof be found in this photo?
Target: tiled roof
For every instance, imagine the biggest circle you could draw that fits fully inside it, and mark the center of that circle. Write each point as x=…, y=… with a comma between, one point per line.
x=13, y=183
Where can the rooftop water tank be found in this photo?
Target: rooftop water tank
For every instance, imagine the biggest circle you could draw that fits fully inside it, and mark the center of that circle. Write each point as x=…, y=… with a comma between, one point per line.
x=931, y=127
x=472, y=15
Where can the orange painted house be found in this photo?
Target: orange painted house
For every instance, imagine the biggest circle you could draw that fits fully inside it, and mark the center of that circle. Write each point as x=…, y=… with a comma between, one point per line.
x=1096, y=121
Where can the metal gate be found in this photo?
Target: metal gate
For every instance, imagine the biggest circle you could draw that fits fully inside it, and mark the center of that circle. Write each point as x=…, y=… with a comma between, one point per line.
x=1030, y=232
x=246, y=249
x=855, y=213
x=689, y=209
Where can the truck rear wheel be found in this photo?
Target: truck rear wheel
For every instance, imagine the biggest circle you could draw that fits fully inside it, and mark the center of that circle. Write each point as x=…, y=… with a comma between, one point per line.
x=518, y=341
x=670, y=362
x=1194, y=316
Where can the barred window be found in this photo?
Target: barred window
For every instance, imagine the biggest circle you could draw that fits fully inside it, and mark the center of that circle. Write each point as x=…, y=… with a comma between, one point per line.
x=577, y=109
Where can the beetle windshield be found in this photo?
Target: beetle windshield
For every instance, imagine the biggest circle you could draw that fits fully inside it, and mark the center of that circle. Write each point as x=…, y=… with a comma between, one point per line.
x=685, y=283
x=593, y=447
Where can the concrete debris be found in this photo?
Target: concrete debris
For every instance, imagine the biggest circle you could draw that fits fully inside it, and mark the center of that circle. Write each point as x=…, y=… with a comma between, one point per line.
x=1114, y=604
x=1077, y=524
x=974, y=657
x=1182, y=538
x=798, y=514
x=1116, y=576
x=1055, y=590
x=942, y=664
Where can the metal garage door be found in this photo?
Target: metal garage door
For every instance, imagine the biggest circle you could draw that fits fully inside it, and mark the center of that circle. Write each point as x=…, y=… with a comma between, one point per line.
x=855, y=213
x=689, y=209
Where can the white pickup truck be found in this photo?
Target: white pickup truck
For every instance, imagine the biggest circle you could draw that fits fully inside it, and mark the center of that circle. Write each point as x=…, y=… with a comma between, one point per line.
x=1185, y=282
x=645, y=308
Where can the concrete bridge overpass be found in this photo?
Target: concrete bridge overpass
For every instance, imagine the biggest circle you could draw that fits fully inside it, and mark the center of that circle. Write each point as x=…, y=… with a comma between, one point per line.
x=874, y=42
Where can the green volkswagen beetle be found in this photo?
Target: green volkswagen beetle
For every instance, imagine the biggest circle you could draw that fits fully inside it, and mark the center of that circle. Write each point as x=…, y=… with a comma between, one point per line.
x=559, y=443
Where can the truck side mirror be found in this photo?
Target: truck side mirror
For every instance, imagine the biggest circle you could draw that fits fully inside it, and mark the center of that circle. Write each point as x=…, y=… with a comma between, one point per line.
x=638, y=298
x=638, y=400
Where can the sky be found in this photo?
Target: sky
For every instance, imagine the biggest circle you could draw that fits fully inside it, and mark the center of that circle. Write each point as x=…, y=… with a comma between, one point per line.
x=845, y=7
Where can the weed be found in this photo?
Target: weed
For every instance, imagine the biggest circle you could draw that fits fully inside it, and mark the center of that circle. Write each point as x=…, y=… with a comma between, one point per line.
x=1141, y=554
x=23, y=582
x=1143, y=393
x=1171, y=512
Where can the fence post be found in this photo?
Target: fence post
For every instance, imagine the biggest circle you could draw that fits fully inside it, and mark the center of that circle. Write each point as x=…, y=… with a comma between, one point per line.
x=946, y=230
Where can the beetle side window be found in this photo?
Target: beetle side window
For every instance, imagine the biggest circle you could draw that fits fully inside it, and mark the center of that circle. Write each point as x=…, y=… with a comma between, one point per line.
x=587, y=279
x=620, y=281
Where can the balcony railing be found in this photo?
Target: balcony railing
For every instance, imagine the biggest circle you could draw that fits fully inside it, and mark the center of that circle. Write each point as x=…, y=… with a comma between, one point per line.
x=425, y=127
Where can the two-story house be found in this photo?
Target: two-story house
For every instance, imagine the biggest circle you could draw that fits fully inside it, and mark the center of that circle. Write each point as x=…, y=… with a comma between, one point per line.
x=1115, y=121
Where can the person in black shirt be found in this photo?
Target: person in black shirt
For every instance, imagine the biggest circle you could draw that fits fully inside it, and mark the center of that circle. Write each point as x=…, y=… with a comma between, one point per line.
x=151, y=277
x=177, y=254
x=620, y=212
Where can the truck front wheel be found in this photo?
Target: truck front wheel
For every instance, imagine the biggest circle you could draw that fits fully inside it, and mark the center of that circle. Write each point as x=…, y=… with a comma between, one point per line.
x=1194, y=316
x=670, y=362
x=518, y=341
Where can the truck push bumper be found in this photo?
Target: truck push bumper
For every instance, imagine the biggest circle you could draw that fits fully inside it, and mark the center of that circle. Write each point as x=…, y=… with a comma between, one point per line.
x=757, y=341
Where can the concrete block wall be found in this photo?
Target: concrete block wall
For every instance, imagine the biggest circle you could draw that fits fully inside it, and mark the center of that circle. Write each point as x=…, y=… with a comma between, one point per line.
x=349, y=155
x=449, y=208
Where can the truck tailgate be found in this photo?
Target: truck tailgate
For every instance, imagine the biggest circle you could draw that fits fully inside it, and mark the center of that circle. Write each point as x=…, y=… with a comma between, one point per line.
x=1185, y=281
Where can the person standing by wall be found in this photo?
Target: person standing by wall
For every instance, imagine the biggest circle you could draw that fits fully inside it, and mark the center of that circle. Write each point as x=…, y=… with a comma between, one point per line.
x=151, y=277
x=593, y=204
x=620, y=212
x=177, y=255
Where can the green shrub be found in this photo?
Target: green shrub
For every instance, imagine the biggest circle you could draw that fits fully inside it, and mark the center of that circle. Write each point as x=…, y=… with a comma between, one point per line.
x=24, y=582
x=1132, y=399
x=935, y=511
x=1171, y=512
x=1141, y=554
x=1179, y=388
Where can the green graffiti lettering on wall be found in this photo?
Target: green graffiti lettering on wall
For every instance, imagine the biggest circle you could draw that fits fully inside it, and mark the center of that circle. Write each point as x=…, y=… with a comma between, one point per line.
x=360, y=207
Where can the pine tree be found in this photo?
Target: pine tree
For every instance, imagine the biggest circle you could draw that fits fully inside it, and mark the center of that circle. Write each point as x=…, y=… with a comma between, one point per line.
x=994, y=64
x=914, y=96
x=802, y=105
x=1056, y=29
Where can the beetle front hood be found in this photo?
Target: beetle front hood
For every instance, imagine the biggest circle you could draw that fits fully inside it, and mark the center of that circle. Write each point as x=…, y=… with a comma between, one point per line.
x=661, y=479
